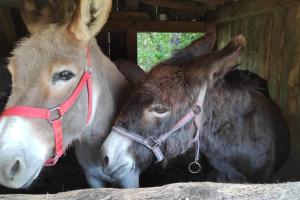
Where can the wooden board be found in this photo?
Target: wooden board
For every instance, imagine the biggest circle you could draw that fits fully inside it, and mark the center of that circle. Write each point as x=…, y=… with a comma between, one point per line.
x=155, y=26
x=244, y=8
x=272, y=31
x=187, y=6
x=135, y=16
x=7, y=30
x=184, y=191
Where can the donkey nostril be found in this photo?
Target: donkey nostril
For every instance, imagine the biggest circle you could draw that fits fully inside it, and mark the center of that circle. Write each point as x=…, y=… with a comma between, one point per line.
x=15, y=169
x=105, y=161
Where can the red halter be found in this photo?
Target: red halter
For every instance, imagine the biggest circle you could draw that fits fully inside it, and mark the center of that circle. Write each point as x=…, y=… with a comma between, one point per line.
x=54, y=116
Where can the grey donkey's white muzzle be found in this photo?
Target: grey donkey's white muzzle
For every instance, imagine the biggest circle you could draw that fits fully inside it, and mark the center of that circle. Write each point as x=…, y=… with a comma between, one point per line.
x=117, y=162
x=21, y=155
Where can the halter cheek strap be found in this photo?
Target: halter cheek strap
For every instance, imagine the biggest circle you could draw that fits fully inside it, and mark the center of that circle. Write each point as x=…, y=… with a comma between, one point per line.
x=151, y=142
x=55, y=116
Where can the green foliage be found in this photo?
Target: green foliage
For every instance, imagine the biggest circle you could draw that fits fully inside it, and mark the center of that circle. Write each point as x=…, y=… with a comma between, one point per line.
x=156, y=47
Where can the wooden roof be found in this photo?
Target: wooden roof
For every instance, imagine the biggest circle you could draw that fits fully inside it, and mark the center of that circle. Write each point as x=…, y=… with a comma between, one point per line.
x=195, y=6
x=199, y=7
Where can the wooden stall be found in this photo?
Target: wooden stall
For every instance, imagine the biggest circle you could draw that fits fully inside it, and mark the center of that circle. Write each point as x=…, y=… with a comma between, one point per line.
x=272, y=30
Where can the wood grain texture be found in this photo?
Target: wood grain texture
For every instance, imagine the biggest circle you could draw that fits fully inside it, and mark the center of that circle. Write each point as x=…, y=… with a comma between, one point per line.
x=187, y=6
x=244, y=8
x=184, y=191
x=155, y=26
x=272, y=31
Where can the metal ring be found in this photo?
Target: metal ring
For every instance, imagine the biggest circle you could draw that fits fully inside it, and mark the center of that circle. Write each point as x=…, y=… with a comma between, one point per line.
x=195, y=165
x=197, y=109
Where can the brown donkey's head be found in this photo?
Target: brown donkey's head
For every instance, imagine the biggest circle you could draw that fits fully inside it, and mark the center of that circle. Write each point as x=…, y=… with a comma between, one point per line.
x=46, y=68
x=162, y=98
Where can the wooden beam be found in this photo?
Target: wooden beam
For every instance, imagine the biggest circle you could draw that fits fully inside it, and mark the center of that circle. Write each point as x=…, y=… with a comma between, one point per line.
x=8, y=33
x=11, y=3
x=155, y=26
x=201, y=191
x=245, y=8
x=182, y=5
x=212, y=2
x=130, y=15
x=132, y=5
x=131, y=43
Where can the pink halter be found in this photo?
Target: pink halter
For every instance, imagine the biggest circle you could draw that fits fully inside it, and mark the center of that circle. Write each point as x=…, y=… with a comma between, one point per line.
x=55, y=115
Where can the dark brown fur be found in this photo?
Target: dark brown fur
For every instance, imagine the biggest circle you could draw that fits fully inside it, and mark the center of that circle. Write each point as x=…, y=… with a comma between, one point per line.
x=243, y=134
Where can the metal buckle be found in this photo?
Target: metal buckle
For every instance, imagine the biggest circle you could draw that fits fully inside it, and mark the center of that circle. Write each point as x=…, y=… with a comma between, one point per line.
x=51, y=161
x=88, y=69
x=152, y=142
x=56, y=114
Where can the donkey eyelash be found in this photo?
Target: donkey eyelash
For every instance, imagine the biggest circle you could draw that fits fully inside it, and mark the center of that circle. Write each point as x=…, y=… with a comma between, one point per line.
x=62, y=76
x=159, y=109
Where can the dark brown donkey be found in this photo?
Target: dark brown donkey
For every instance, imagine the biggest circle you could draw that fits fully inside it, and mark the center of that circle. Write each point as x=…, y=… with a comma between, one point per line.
x=46, y=69
x=200, y=103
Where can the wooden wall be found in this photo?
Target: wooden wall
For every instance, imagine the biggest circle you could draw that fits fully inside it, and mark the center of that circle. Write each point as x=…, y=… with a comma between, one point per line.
x=272, y=30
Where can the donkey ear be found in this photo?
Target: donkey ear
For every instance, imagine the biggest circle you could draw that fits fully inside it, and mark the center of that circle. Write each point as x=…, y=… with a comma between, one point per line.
x=214, y=66
x=202, y=45
x=197, y=48
x=88, y=19
x=30, y=12
x=226, y=59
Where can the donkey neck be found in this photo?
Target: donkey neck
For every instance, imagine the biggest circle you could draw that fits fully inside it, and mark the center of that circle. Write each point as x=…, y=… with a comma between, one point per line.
x=109, y=85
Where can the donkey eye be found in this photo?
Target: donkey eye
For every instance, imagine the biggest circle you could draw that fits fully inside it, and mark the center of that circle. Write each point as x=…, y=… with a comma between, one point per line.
x=160, y=109
x=63, y=76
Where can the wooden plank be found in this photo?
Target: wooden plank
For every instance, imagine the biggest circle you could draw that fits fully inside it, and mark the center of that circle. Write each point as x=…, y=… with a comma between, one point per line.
x=272, y=31
x=276, y=58
x=293, y=77
x=212, y=2
x=199, y=191
x=288, y=85
x=224, y=31
x=7, y=30
x=245, y=8
x=131, y=41
x=103, y=42
x=155, y=26
x=118, y=45
x=244, y=58
x=251, y=45
x=10, y=3
x=289, y=48
x=263, y=41
x=132, y=4
x=297, y=121
x=182, y=5
x=130, y=15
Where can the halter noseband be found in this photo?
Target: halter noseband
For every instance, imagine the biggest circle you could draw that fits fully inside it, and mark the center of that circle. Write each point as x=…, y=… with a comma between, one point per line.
x=154, y=143
x=55, y=115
